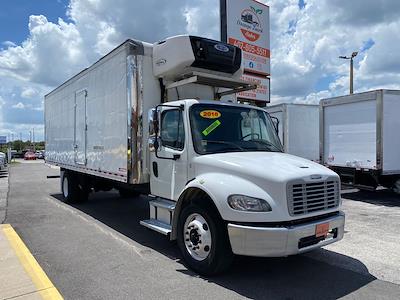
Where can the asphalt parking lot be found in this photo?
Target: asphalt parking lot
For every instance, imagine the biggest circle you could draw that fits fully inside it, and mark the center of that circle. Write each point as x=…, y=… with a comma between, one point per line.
x=98, y=250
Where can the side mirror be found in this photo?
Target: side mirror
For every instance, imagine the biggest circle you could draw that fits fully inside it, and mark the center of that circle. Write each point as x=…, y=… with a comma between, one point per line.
x=153, y=129
x=156, y=144
x=275, y=121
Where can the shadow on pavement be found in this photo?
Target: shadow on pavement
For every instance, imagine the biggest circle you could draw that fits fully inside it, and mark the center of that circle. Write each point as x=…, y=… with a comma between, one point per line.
x=296, y=277
x=380, y=197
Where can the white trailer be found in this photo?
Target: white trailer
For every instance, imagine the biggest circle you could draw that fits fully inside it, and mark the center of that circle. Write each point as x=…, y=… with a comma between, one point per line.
x=146, y=118
x=298, y=128
x=360, y=138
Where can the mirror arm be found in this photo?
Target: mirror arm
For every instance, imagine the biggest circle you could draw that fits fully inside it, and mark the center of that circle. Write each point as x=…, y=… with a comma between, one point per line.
x=276, y=125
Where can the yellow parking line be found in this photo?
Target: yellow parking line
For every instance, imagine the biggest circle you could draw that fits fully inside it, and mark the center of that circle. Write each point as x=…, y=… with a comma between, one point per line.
x=43, y=284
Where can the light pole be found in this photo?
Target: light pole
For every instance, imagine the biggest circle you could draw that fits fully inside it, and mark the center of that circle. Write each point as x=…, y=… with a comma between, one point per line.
x=33, y=137
x=354, y=54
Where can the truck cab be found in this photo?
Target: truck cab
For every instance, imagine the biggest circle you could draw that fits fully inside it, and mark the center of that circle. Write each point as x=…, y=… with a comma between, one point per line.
x=223, y=186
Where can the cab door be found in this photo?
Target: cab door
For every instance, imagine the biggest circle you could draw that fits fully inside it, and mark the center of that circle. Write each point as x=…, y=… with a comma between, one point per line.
x=168, y=164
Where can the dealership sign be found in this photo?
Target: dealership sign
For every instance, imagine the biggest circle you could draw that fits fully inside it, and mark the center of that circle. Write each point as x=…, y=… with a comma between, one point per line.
x=262, y=93
x=245, y=23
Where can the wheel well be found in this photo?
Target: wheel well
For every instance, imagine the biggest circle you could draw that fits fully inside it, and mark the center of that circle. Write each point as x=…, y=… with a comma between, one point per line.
x=195, y=196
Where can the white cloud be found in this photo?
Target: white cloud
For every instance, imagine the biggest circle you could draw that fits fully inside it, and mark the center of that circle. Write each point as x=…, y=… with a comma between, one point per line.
x=19, y=105
x=28, y=93
x=51, y=53
x=9, y=44
x=305, y=45
x=307, y=56
x=201, y=21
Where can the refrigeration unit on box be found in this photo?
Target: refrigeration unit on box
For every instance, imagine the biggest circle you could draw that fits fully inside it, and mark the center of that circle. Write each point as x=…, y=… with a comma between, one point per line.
x=360, y=138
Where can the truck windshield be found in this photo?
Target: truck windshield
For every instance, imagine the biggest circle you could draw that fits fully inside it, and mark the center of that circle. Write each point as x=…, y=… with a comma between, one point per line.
x=219, y=128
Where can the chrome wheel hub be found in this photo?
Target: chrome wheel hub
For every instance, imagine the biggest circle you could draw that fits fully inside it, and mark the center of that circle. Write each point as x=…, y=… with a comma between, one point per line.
x=197, y=237
x=65, y=187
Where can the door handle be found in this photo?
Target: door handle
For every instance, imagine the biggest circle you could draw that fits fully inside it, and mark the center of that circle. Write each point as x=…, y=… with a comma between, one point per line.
x=155, y=169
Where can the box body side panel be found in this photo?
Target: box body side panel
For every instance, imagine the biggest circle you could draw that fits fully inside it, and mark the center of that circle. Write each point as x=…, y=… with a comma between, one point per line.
x=391, y=133
x=106, y=120
x=349, y=132
x=303, y=131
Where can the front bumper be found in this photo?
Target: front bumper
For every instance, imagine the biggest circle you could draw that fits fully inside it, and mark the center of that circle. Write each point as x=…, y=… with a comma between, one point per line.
x=283, y=241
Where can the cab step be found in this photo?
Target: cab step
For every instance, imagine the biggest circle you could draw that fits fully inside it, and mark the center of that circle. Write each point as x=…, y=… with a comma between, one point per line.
x=163, y=203
x=158, y=226
x=161, y=215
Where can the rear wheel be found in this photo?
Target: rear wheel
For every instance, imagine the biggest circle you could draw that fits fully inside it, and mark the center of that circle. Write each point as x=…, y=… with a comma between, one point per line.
x=203, y=240
x=72, y=191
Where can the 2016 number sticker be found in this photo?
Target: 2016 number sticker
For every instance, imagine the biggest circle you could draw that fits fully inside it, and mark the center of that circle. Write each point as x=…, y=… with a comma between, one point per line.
x=210, y=114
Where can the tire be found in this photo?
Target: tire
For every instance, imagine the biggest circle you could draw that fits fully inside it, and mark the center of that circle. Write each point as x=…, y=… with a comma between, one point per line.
x=72, y=191
x=205, y=261
x=396, y=187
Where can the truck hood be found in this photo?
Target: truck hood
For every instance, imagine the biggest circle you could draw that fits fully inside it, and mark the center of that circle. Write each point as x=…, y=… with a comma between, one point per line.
x=267, y=166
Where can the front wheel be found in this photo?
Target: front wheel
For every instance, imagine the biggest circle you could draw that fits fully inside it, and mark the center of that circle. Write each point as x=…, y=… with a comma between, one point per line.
x=203, y=240
x=396, y=187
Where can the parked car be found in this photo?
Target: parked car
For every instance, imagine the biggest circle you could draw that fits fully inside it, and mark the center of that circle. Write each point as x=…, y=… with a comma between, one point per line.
x=3, y=161
x=39, y=154
x=18, y=154
x=29, y=156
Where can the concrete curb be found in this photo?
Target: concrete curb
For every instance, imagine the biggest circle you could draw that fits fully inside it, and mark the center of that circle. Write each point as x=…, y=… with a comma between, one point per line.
x=22, y=276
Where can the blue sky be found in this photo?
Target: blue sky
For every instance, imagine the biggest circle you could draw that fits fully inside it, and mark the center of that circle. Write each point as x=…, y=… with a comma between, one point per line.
x=44, y=42
x=14, y=16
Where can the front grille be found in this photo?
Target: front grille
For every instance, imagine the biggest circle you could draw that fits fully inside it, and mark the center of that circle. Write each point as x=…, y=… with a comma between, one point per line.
x=305, y=198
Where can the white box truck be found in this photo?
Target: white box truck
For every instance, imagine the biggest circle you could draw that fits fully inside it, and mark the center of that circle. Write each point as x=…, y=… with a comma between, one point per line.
x=360, y=138
x=146, y=118
x=298, y=128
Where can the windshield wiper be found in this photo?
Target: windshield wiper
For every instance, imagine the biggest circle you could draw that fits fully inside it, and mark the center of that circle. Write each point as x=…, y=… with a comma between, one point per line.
x=264, y=142
x=225, y=143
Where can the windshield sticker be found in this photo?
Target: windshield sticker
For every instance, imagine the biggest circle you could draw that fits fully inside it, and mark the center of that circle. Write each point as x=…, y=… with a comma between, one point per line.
x=210, y=114
x=211, y=128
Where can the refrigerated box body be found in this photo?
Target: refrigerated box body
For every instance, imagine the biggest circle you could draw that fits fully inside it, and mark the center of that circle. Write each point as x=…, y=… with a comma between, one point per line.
x=360, y=136
x=298, y=128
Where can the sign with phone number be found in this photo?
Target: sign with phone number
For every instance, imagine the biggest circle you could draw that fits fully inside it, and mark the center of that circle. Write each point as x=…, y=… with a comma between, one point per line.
x=247, y=27
x=253, y=49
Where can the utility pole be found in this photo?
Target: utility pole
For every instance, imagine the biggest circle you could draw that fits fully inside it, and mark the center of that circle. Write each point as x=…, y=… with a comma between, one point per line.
x=354, y=54
x=33, y=133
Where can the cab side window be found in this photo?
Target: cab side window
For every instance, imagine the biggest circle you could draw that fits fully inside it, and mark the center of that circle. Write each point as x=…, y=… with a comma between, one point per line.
x=172, y=130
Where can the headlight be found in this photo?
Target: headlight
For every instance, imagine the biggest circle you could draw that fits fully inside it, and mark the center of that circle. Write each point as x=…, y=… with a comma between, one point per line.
x=246, y=203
